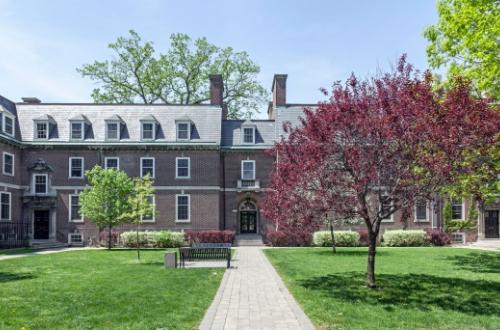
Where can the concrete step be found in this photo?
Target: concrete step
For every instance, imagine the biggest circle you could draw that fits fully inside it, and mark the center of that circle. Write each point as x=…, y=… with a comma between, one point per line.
x=47, y=244
x=249, y=240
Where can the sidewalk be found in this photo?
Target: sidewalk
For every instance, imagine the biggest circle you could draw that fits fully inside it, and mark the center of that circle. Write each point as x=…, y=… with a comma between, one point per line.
x=41, y=252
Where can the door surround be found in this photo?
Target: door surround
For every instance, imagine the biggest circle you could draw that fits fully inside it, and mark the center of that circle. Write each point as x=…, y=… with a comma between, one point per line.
x=248, y=209
x=492, y=224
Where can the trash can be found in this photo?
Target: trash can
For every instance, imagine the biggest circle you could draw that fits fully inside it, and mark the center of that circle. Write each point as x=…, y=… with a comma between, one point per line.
x=170, y=260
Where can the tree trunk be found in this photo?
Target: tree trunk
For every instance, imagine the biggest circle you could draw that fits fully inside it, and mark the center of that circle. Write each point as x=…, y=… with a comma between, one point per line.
x=137, y=241
x=109, y=237
x=372, y=250
x=334, y=249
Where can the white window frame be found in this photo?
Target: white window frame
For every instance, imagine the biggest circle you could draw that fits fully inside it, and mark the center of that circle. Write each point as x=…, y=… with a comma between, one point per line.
x=427, y=213
x=47, y=125
x=463, y=209
x=177, y=168
x=149, y=122
x=154, y=166
x=182, y=122
x=10, y=205
x=242, y=169
x=177, y=208
x=243, y=134
x=118, y=132
x=82, y=127
x=70, y=210
x=70, y=174
x=153, y=219
x=11, y=117
x=46, y=183
x=13, y=163
x=108, y=158
x=391, y=218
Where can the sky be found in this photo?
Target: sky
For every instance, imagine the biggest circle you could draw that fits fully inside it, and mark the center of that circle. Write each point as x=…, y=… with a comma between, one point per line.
x=314, y=42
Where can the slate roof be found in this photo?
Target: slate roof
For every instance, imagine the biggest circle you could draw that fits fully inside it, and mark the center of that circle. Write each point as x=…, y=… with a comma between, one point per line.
x=232, y=133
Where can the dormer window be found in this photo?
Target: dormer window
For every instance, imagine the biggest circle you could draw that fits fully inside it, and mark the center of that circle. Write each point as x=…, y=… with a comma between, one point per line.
x=77, y=130
x=248, y=135
x=148, y=128
x=183, y=130
x=112, y=130
x=42, y=130
x=8, y=124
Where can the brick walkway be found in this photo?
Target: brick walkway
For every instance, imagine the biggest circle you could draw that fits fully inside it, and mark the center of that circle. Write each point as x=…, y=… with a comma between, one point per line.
x=252, y=296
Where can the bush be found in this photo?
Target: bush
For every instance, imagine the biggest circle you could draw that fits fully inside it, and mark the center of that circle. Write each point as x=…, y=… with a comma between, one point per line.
x=405, y=238
x=104, y=236
x=210, y=236
x=153, y=239
x=364, y=238
x=170, y=239
x=438, y=237
x=288, y=238
x=342, y=238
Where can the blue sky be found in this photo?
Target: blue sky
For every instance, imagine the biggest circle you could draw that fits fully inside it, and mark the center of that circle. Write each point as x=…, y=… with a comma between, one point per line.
x=314, y=42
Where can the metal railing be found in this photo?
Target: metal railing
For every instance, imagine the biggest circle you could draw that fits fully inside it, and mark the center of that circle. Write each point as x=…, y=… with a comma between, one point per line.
x=14, y=234
x=248, y=184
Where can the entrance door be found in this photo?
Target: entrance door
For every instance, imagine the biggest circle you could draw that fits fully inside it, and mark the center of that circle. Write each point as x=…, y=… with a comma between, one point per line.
x=248, y=222
x=491, y=225
x=41, y=224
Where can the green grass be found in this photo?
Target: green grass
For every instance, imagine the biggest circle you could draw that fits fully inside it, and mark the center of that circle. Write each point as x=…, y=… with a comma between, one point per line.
x=103, y=289
x=8, y=252
x=419, y=288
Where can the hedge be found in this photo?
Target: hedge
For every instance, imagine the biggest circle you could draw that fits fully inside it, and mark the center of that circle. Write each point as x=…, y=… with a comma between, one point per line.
x=398, y=237
x=153, y=239
x=342, y=238
x=210, y=236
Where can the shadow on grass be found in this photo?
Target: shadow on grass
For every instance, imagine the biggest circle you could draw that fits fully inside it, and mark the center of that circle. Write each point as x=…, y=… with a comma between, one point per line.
x=8, y=277
x=477, y=262
x=417, y=291
x=347, y=253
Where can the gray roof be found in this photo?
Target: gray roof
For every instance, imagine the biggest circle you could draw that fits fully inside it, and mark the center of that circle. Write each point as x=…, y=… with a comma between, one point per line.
x=232, y=137
x=115, y=118
x=291, y=114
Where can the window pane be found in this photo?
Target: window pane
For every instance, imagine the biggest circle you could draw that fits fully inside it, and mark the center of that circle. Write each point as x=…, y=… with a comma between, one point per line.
x=113, y=131
x=76, y=167
x=75, y=208
x=41, y=130
x=40, y=184
x=147, y=131
x=76, y=131
x=182, y=208
x=5, y=206
x=421, y=210
x=8, y=164
x=112, y=163
x=9, y=125
x=248, y=135
x=182, y=131
x=148, y=167
x=183, y=167
x=248, y=171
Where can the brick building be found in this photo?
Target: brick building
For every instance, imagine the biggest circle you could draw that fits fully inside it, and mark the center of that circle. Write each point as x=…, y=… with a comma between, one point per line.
x=209, y=172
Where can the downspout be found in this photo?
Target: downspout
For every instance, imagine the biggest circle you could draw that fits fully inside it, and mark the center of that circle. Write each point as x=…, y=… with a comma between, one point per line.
x=223, y=190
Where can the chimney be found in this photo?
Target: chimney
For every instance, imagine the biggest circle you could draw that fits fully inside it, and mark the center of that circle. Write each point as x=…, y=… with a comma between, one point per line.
x=216, y=89
x=279, y=94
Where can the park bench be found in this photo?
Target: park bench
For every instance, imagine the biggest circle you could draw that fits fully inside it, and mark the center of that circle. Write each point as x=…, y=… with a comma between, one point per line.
x=205, y=251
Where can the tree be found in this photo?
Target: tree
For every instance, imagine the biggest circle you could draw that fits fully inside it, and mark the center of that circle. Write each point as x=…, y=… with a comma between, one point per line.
x=106, y=199
x=179, y=76
x=378, y=145
x=465, y=39
x=141, y=205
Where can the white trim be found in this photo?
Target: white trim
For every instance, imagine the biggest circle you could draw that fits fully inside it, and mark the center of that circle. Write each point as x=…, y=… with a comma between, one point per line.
x=242, y=171
x=153, y=123
x=70, y=175
x=11, y=117
x=188, y=123
x=10, y=205
x=79, y=243
x=13, y=186
x=177, y=168
x=154, y=212
x=35, y=129
x=46, y=183
x=3, y=163
x=243, y=128
x=70, y=209
x=154, y=166
x=118, y=127
x=177, y=208
x=108, y=158
x=427, y=213
x=82, y=127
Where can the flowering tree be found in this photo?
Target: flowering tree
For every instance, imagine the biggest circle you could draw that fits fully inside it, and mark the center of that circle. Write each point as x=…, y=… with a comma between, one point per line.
x=375, y=147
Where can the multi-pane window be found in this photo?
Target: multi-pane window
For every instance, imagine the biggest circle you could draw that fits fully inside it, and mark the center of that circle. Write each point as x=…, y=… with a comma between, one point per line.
x=8, y=164
x=248, y=170
x=42, y=130
x=74, y=209
x=5, y=200
x=76, y=167
x=112, y=162
x=148, y=131
x=148, y=166
x=182, y=167
x=457, y=209
x=182, y=208
x=40, y=183
x=421, y=210
x=249, y=135
x=150, y=217
x=8, y=125
x=385, y=208
x=183, y=130
x=77, y=131
x=113, y=131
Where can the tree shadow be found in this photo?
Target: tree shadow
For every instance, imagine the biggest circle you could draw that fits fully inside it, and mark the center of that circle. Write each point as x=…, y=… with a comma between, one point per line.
x=418, y=291
x=9, y=277
x=347, y=253
x=477, y=262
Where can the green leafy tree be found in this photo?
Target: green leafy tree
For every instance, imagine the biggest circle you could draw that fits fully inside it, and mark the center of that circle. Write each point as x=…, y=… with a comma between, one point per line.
x=179, y=76
x=106, y=199
x=466, y=40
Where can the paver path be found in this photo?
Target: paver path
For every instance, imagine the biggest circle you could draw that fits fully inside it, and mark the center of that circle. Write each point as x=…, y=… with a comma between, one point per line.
x=253, y=296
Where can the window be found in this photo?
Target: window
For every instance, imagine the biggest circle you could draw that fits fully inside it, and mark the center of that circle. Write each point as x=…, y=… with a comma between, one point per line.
x=148, y=166
x=74, y=209
x=148, y=131
x=112, y=162
x=112, y=131
x=248, y=169
x=182, y=208
x=40, y=183
x=42, y=130
x=76, y=167
x=183, y=131
x=248, y=135
x=385, y=207
x=77, y=132
x=75, y=239
x=8, y=164
x=457, y=209
x=8, y=125
x=182, y=168
x=421, y=211
x=5, y=206
x=151, y=217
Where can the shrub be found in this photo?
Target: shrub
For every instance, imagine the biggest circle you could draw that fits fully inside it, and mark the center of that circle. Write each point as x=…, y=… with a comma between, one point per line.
x=364, y=239
x=167, y=239
x=104, y=236
x=405, y=238
x=438, y=237
x=288, y=238
x=153, y=239
x=210, y=236
x=342, y=238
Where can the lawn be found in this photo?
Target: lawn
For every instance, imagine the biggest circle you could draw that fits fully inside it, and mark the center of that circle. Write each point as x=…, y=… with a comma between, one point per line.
x=103, y=289
x=7, y=252
x=419, y=288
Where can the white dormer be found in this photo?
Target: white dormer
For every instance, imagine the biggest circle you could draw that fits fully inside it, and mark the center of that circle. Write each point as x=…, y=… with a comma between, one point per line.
x=148, y=128
x=77, y=128
x=113, y=127
x=183, y=129
x=248, y=132
x=42, y=127
x=8, y=122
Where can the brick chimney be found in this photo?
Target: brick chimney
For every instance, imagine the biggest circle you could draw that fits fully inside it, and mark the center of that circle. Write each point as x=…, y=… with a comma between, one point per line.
x=279, y=94
x=216, y=93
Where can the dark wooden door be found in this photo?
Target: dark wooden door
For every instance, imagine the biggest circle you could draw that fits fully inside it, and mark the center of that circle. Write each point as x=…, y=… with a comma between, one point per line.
x=491, y=225
x=248, y=222
x=41, y=224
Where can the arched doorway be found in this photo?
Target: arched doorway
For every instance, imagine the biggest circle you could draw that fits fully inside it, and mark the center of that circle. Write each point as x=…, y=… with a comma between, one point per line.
x=248, y=218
